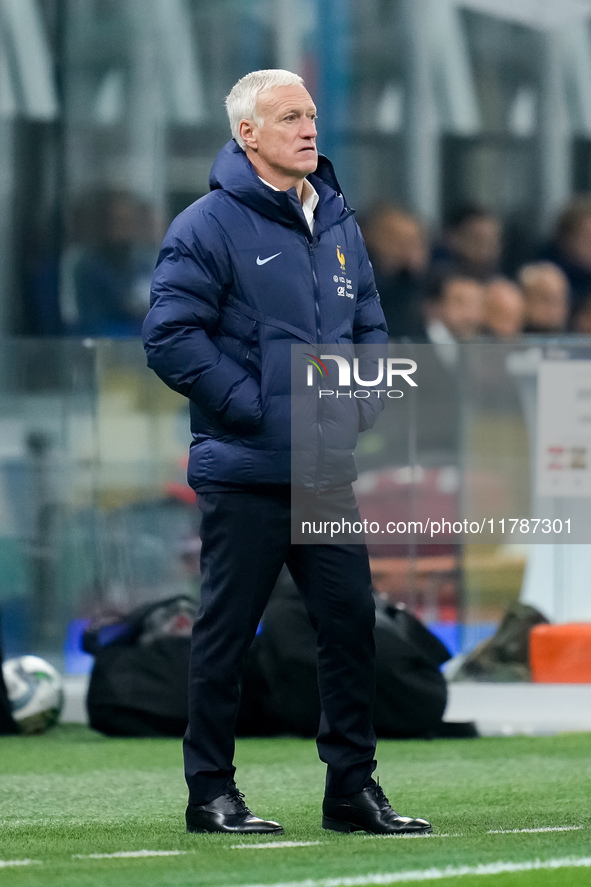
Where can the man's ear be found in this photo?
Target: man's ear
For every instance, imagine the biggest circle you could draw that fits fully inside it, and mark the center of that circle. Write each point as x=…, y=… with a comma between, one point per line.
x=248, y=132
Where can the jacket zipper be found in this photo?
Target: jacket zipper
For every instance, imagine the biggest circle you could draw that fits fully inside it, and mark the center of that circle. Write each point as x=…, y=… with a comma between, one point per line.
x=318, y=341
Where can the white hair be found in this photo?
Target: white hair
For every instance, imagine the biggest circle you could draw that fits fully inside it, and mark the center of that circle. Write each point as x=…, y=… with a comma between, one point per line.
x=241, y=102
x=530, y=274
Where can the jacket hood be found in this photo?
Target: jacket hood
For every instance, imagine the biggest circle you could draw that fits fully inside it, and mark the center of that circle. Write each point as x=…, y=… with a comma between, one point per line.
x=233, y=172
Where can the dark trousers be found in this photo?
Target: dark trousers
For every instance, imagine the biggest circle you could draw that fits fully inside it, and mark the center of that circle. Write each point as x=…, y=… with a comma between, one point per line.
x=246, y=540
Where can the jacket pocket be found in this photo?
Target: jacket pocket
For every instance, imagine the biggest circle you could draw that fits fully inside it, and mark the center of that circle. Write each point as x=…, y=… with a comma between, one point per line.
x=237, y=337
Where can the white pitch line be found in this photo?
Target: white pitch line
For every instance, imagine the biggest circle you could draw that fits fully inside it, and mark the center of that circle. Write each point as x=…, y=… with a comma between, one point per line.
x=130, y=854
x=534, y=831
x=435, y=874
x=395, y=837
x=274, y=844
x=5, y=863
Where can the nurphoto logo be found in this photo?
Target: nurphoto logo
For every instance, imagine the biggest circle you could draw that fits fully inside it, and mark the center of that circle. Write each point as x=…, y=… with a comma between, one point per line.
x=349, y=376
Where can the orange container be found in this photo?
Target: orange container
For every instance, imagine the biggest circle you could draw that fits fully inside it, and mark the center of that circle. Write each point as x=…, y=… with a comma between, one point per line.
x=561, y=654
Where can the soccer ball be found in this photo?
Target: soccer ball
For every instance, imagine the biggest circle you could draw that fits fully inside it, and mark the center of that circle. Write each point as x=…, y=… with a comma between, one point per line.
x=35, y=692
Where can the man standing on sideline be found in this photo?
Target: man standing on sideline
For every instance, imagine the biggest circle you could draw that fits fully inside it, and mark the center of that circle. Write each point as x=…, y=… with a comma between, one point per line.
x=245, y=272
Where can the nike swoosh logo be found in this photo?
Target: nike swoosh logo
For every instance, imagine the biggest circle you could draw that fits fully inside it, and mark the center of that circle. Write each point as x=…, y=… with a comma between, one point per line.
x=264, y=261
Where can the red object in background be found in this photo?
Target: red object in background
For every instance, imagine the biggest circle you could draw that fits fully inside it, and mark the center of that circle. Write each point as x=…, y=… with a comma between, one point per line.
x=423, y=577
x=182, y=492
x=561, y=654
x=409, y=494
x=426, y=585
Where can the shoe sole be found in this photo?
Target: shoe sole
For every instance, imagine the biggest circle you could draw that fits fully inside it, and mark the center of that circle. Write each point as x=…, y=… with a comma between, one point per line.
x=208, y=831
x=337, y=825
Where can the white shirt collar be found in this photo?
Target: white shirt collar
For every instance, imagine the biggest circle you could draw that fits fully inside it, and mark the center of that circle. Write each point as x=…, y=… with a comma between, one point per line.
x=443, y=342
x=310, y=200
x=439, y=334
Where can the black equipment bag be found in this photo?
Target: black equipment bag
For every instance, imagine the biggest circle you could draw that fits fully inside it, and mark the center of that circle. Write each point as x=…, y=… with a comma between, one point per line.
x=280, y=690
x=411, y=691
x=138, y=685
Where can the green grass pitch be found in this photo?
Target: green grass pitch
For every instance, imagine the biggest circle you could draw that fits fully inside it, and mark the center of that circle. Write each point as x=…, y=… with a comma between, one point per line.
x=71, y=794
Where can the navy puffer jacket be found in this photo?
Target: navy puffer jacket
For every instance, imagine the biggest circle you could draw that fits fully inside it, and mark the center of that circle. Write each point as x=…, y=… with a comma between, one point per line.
x=239, y=279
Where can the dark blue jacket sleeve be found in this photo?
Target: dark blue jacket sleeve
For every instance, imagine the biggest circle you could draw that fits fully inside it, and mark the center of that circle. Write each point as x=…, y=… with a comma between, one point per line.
x=192, y=276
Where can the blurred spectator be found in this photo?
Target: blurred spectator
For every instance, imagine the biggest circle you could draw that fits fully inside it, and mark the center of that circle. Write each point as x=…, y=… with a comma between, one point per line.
x=472, y=244
x=581, y=320
x=399, y=251
x=571, y=247
x=454, y=309
x=504, y=309
x=546, y=293
x=105, y=273
x=454, y=312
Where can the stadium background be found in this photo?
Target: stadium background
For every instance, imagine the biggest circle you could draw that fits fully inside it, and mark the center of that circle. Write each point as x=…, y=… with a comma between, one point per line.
x=111, y=112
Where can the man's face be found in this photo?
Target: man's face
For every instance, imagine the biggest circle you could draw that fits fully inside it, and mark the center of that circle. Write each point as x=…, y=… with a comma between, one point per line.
x=462, y=308
x=503, y=309
x=282, y=149
x=399, y=243
x=578, y=245
x=547, y=302
x=478, y=242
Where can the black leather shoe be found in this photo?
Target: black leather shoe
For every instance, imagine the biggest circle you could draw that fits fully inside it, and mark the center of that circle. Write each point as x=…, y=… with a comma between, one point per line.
x=228, y=813
x=369, y=810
